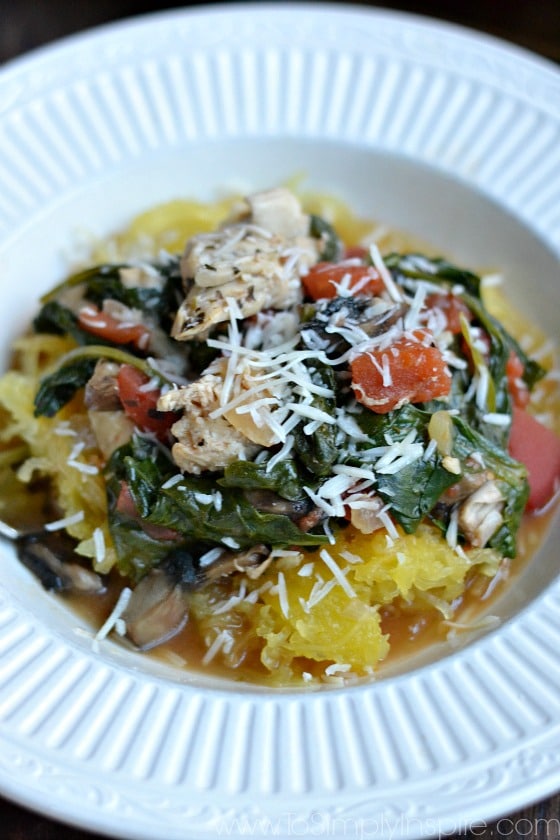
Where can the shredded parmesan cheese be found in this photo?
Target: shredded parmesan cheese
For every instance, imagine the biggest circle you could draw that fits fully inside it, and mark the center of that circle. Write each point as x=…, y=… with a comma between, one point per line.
x=67, y=522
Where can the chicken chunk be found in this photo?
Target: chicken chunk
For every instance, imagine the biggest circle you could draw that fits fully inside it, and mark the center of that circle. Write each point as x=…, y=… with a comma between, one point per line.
x=204, y=443
x=256, y=261
x=278, y=211
x=102, y=391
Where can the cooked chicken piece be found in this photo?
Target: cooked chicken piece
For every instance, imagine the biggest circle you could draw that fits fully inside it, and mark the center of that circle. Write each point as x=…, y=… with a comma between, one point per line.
x=240, y=250
x=480, y=515
x=278, y=211
x=203, y=308
x=204, y=443
x=251, y=414
x=102, y=392
x=256, y=262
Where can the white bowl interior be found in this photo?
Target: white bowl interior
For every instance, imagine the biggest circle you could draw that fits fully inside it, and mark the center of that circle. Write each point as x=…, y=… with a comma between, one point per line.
x=448, y=214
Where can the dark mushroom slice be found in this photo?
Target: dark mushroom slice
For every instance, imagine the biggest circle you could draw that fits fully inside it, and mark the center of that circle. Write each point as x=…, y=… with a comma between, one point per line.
x=157, y=610
x=51, y=558
x=102, y=391
x=311, y=519
x=252, y=562
x=267, y=501
x=372, y=316
x=158, y=606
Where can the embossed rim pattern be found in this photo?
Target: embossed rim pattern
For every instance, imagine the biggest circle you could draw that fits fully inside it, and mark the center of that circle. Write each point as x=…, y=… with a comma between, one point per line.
x=124, y=751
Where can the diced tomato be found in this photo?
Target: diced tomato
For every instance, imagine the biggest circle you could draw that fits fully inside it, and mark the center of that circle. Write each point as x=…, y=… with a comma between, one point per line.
x=410, y=370
x=92, y=320
x=324, y=279
x=141, y=405
x=125, y=505
x=517, y=387
x=539, y=449
x=452, y=307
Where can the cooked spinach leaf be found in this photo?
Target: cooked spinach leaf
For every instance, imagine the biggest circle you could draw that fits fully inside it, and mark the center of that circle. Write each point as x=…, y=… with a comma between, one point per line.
x=187, y=508
x=415, y=489
x=405, y=267
x=510, y=475
x=58, y=389
x=318, y=450
x=394, y=425
x=137, y=550
x=332, y=247
x=104, y=282
x=284, y=478
x=502, y=344
x=142, y=467
x=74, y=370
x=159, y=302
x=183, y=508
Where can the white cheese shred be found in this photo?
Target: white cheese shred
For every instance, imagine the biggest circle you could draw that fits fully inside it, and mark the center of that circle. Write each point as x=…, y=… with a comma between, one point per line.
x=337, y=572
x=67, y=522
x=283, y=595
x=223, y=641
x=392, y=288
x=99, y=545
x=115, y=615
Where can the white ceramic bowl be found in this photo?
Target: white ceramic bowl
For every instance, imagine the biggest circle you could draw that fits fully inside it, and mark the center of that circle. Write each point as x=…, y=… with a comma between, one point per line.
x=450, y=135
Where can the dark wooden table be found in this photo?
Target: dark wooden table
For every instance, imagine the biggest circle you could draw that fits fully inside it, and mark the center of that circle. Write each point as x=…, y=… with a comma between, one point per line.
x=534, y=24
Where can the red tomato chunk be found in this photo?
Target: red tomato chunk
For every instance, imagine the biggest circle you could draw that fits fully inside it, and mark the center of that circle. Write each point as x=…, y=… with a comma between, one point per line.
x=92, y=320
x=410, y=370
x=324, y=280
x=516, y=386
x=141, y=405
x=126, y=505
x=452, y=307
x=539, y=449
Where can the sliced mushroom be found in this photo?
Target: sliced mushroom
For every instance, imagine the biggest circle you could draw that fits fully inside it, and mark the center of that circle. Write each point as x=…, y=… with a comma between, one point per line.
x=370, y=317
x=480, y=515
x=267, y=501
x=157, y=610
x=382, y=318
x=47, y=557
x=102, y=392
x=311, y=519
x=252, y=562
